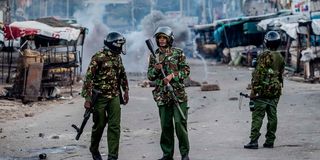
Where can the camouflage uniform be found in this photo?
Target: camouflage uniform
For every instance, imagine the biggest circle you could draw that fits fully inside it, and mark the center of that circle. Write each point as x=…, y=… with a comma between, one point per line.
x=266, y=84
x=173, y=63
x=105, y=71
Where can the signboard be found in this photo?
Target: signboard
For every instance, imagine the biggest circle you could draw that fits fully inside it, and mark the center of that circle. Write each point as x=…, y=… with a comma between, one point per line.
x=300, y=6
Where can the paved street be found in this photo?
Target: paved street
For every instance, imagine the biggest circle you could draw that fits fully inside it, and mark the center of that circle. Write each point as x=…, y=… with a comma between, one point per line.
x=217, y=128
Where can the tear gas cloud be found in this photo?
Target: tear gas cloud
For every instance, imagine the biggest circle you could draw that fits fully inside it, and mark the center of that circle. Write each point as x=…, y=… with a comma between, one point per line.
x=92, y=19
x=136, y=59
x=93, y=15
x=137, y=56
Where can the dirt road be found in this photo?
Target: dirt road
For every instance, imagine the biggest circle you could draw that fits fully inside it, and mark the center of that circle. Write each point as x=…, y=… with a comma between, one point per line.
x=217, y=128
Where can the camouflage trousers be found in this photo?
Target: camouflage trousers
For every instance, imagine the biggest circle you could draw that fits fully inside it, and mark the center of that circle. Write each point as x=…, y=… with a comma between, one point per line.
x=262, y=106
x=100, y=119
x=171, y=121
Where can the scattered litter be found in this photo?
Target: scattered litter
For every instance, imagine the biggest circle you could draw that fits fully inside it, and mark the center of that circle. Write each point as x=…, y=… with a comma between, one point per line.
x=29, y=114
x=42, y=156
x=65, y=98
x=248, y=87
x=191, y=83
x=126, y=130
x=210, y=87
x=55, y=137
x=233, y=98
x=41, y=135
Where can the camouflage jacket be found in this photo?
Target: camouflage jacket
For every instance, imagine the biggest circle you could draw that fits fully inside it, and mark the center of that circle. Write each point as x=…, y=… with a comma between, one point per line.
x=173, y=63
x=105, y=73
x=267, y=78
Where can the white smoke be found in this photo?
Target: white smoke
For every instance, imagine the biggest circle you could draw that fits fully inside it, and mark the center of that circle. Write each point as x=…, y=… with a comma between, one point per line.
x=92, y=18
x=156, y=19
x=136, y=59
x=137, y=53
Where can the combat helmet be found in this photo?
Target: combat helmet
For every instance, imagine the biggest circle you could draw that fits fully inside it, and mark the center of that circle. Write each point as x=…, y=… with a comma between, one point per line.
x=164, y=31
x=115, y=41
x=272, y=40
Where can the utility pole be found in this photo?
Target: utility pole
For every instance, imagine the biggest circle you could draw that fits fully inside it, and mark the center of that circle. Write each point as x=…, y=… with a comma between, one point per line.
x=7, y=12
x=151, y=5
x=132, y=15
x=210, y=10
x=188, y=8
x=40, y=9
x=203, y=14
x=13, y=8
x=68, y=8
x=46, y=8
x=181, y=8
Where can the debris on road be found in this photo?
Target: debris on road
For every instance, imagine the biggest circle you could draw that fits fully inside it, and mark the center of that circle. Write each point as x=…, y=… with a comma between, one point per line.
x=210, y=87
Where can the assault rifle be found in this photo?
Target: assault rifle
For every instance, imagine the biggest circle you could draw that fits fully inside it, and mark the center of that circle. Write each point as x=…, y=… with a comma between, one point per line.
x=86, y=116
x=169, y=87
x=256, y=98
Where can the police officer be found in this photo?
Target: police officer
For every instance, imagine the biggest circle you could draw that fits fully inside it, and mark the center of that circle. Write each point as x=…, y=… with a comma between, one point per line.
x=106, y=71
x=173, y=62
x=266, y=83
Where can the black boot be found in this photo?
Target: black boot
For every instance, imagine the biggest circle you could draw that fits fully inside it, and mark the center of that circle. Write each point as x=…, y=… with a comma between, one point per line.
x=251, y=145
x=266, y=145
x=185, y=157
x=165, y=158
x=110, y=157
x=96, y=156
